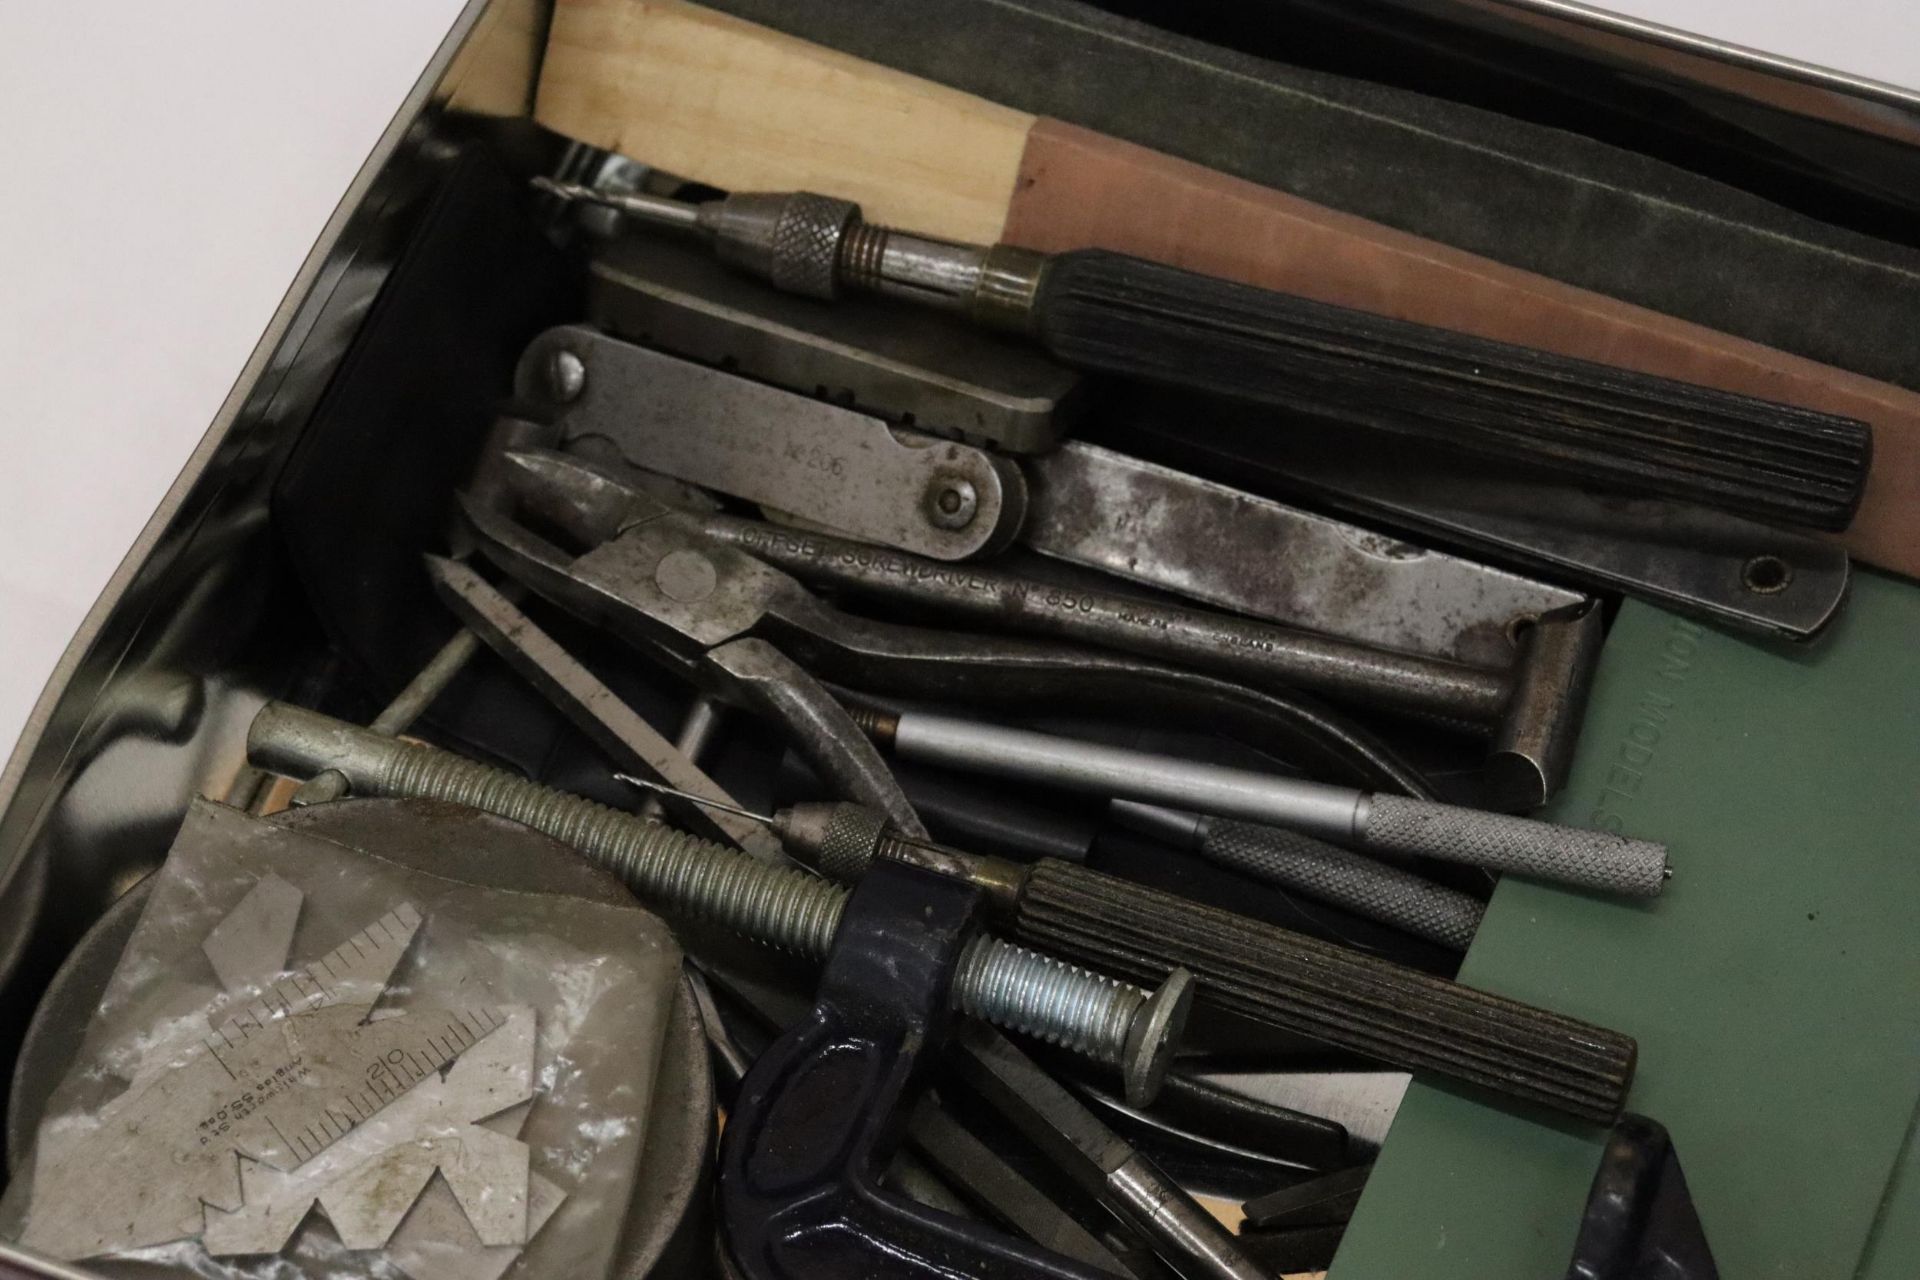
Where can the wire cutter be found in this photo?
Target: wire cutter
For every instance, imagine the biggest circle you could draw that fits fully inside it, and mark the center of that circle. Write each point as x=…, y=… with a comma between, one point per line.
x=650, y=577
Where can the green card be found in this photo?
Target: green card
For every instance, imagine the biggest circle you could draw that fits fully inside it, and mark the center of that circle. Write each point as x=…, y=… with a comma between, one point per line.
x=1774, y=988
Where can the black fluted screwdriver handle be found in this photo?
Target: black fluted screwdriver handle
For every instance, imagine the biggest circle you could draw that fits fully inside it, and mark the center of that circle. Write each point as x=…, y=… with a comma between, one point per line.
x=1617, y=429
x=1388, y=1012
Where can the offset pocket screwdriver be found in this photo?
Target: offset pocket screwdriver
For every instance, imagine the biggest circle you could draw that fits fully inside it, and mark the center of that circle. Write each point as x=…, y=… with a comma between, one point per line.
x=1257, y=971
x=1114, y=314
x=1320, y=870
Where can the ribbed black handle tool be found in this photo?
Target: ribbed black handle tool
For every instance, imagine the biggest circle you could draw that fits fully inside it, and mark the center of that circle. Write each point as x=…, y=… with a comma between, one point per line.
x=1620, y=430
x=1385, y=1011
x=1136, y=319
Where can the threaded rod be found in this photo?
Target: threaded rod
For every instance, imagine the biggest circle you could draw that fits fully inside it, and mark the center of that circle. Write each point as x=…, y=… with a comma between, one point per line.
x=698, y=879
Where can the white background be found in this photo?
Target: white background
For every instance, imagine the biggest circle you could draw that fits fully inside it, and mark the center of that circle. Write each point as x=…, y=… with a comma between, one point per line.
x=1876, y=39
x=164, y=168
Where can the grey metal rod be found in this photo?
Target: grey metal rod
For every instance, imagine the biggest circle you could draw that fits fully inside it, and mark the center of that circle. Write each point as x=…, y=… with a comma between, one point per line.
x=412, y=702
x=1382, y=823
x=696, y=731
x=1317, y=808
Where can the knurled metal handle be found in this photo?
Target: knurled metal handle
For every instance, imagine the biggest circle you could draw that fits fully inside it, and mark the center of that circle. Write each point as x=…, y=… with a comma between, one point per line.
x=1346, y=879
x=1538, y=850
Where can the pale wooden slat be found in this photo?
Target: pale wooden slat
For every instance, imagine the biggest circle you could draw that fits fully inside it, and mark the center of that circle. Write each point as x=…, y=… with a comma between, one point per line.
x=728, y=103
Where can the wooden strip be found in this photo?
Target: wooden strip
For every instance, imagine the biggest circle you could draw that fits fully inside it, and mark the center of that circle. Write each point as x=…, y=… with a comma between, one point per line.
x=1079, y=189
x=737, y=106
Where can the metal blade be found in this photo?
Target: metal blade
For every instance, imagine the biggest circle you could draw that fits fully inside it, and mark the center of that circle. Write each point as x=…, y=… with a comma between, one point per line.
x=581, y=696
x=1733, y=572
x=590, y=503
x=1203, y=540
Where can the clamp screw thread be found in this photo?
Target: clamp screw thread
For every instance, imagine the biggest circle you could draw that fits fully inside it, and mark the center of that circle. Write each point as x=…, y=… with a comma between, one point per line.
x=784, y=907
x=1047, y=998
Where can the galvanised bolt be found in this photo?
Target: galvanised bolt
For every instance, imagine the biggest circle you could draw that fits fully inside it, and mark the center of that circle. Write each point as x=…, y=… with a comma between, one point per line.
x=1038, y=995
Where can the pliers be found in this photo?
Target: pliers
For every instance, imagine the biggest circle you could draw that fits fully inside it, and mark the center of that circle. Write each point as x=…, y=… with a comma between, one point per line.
x=755, y=637
x=650, y=577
